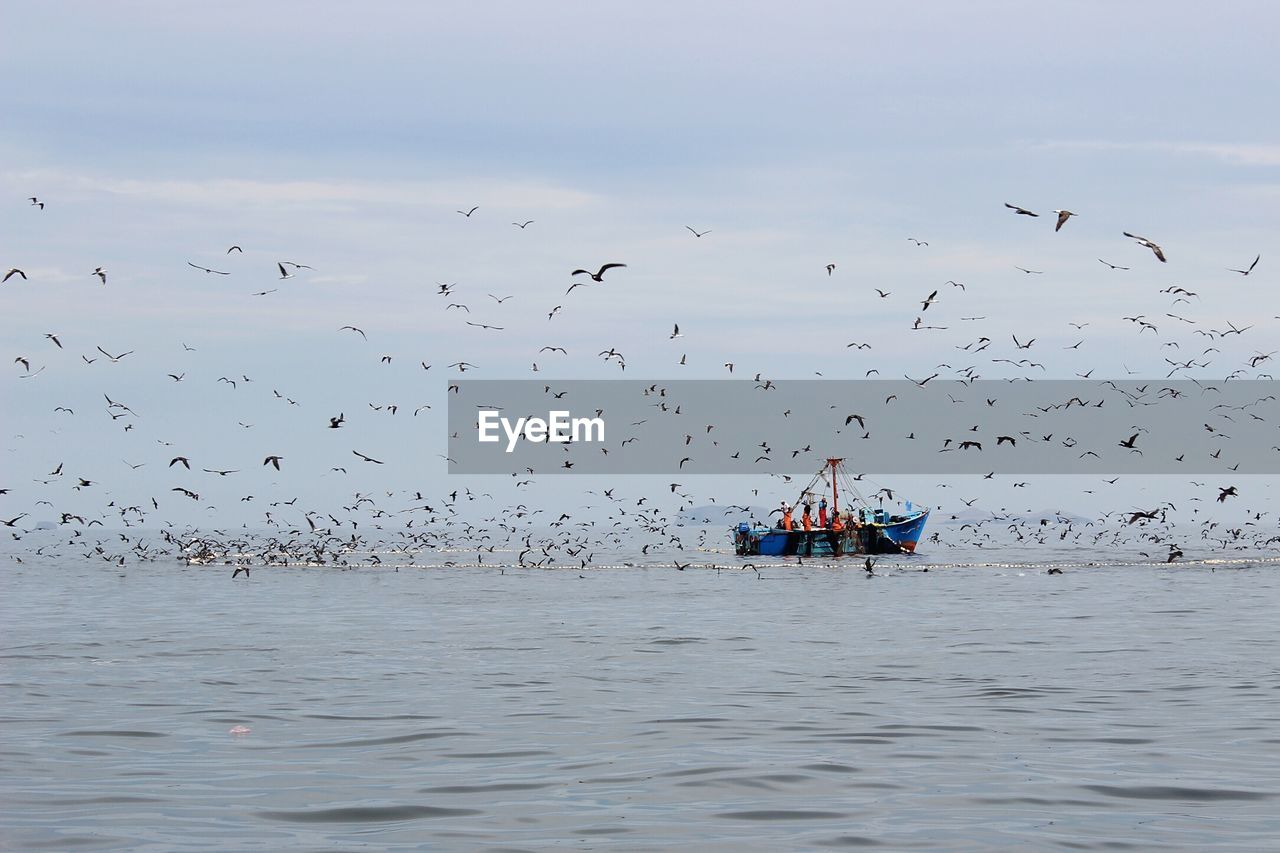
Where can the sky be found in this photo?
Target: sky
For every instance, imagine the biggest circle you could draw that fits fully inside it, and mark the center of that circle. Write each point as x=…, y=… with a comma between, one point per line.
x=347, y=139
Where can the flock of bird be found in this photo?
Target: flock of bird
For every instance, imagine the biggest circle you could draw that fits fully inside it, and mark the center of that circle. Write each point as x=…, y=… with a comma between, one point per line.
x=472, y=527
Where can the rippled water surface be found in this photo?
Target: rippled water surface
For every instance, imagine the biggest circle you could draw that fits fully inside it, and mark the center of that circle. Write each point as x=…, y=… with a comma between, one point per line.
x=803, y=707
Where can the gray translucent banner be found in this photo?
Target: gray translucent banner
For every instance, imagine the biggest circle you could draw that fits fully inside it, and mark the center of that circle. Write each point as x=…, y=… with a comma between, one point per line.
x=877, y=426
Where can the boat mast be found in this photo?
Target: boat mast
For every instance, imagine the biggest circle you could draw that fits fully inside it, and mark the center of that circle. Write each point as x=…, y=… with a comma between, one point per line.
x=835, y=498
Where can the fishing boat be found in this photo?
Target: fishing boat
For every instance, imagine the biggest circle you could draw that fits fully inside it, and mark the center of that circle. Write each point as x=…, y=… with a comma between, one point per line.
x=863, y=528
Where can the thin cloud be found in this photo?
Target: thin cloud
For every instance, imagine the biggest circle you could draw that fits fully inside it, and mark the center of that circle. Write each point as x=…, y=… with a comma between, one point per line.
x=1233, y=153
x=238, y=192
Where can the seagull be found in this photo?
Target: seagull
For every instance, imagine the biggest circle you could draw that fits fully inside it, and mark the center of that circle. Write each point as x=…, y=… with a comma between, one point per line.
x=335, y=423
x=918, y=242
x=929, y=301
x=114, y=358
x=35, y=202
x=299, y=266
x=1143, y=241
x=831, y=268
x=219, y=473
x=1019, y=210
x=1113, y=266
x=522, y=225
x=206, y=269
x=1251, y=266
x=284, y=273
x=99, y=272
x=502, y=300
x=1063, y=216
x=54, y=338
x=596, y=276
x=354, y=329
x=483, y=326
x=273, y=460
x=467, y=213
x=698, y=234
x=369, y=458
x=675, y=333
x=235, y=249
x=11, y=273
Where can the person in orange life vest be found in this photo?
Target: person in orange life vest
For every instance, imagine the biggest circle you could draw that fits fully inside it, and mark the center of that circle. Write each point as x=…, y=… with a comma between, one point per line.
x=806, y=520
x=786, y=517
x=836, y=524
x=822, y=513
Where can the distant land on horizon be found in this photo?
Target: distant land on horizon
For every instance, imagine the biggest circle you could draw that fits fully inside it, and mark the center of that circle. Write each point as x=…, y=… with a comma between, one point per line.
x=717, y=513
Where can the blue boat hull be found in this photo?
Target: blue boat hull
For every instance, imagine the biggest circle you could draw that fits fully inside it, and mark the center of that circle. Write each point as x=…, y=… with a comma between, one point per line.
x=899, y=534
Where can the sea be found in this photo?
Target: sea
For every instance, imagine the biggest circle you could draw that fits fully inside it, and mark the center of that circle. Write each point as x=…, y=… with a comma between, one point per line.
x=954, y=700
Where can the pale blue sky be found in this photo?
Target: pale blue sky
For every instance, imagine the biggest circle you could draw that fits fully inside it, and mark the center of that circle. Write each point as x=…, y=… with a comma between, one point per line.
x=346, y=138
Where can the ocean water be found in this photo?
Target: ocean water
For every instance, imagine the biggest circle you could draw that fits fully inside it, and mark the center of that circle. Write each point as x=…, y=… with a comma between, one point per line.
x=974, y=706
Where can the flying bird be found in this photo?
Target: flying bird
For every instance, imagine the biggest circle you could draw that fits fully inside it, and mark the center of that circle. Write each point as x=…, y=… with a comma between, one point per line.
x=1020, y=210
x=354, y=329
x=1063, y=216
x=1251, y=266
x=1143, y=241
x=114, y=358
x=11, y=273
x=99, y=272
x=467, y=213
x=523, y=225
x=273, y=460
x=697, y=233
x=1113, y=266
x=596, y=276
x=368, y=458
x=206, y=269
